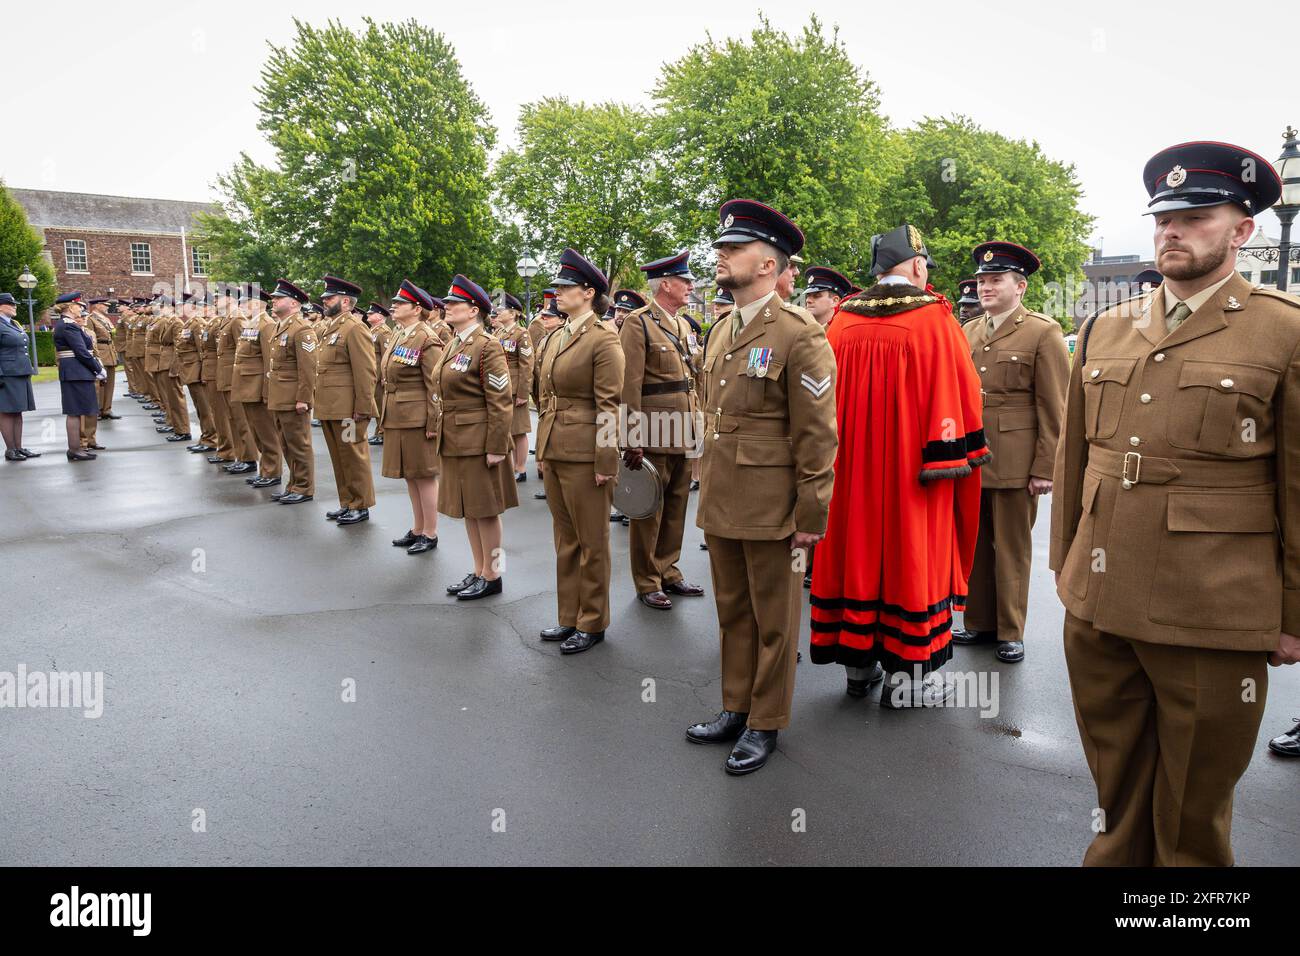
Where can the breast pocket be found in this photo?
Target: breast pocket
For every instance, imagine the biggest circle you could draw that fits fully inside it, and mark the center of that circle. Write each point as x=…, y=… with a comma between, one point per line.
x=1105, y=382
x=1017, y=368
x=1236, y=536
x=1222, y=408
x=1017, y=442
x=760, y=391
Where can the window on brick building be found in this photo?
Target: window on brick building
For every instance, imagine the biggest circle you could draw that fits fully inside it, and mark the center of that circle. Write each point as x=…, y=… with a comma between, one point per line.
x=1268, y=277
x=141, y=259
x=199, y=260
x=74, y=255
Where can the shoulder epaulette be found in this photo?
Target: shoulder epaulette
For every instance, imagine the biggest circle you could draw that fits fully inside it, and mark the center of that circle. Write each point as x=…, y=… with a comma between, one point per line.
x=1287, y=297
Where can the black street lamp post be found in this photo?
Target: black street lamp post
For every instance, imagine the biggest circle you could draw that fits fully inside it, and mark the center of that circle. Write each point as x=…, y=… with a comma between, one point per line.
x=27, y=282
x=1288, y=169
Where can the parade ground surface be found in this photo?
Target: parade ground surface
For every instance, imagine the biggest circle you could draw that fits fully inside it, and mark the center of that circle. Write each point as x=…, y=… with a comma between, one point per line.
x=230, y=630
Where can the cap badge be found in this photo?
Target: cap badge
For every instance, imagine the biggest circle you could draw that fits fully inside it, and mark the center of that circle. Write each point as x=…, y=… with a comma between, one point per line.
x=1233, y=303
x=1177, y=176
x=729, y=221
x=988, y=256
x=914, y=239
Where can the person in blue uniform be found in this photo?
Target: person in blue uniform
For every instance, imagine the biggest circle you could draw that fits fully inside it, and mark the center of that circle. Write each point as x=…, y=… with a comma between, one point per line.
x=79, y=370
x=16, y=395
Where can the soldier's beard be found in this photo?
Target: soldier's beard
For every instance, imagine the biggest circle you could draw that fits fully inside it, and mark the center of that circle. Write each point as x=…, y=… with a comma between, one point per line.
x=1195, y=266
x=333, y=309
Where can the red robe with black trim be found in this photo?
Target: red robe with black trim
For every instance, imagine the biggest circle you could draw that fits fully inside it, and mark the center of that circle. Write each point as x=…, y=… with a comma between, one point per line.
x=904, y=513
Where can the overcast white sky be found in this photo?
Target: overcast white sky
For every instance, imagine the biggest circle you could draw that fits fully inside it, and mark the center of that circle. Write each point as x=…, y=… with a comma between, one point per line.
x=1103, y=84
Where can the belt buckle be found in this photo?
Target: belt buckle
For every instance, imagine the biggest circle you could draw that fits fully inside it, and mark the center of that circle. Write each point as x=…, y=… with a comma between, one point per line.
x=1126, y=481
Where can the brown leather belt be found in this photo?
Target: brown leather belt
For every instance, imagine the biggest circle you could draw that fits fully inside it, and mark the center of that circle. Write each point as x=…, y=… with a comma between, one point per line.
x=555, y=403
x=1133, y=468
x=666, y=388
x=1007, y=401
x=766, y=427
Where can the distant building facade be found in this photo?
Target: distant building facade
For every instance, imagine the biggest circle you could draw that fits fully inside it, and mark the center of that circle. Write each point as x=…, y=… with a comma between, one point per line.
x=117, y=245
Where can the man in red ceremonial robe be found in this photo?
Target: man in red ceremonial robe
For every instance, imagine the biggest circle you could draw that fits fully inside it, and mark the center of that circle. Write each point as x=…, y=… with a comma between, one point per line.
x=905, y=509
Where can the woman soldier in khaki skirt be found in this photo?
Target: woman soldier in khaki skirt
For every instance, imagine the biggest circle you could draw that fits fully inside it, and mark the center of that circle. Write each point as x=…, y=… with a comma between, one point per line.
x=409, y=413
x=473, y=440
x=580, y=368
x=519, y=357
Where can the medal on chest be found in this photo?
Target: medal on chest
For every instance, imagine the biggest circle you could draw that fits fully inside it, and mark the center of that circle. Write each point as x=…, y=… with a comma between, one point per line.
x=334, y=339
x=186, y=334
x=759, y=360
x=509, y=345
x=405, y=355
x=460, y=363
x=284, y=340
x=247, y=334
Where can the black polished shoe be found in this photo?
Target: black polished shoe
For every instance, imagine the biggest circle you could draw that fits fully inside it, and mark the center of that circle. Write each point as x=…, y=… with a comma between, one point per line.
x=315, y=423
x=860, y=688
x=200, y=448
x=240, y=468
x=615, y=515
x=184, y=436
x=967, y=636
x=28, y=453
x=704, y=546
x=111, y=416
x=265, y=482
x=150, y=407
x=163, y=429
x=336, y=514
x=13, y=454
x=96, y=446
x=405, y=541
x=558, y=633
x=580, y=641
x=539, y=495
x=480, y=589
x=1287, y=744
x=81, y=456
x=751, y=751
x=684, y=589
x=656, y=599
x=276, y=496
x=1010, y=652
x=807, y=580
x=353, y=515
x=695, y=484
x=900, y=692
x=423, y=544
x=218, y=460
x=293, y=498
x=722, y=729
x=521, y=476
x=465, y=582
x=377, y=440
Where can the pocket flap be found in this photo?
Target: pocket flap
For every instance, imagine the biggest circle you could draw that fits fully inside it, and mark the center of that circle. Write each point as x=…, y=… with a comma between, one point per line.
x=1016, y=356
x=578, y=416
x=1108, y=370
x=764, y=452
x=1090, y=485
x=1256, y=380
x=471, y=417
x=1229, y=513
x=1014, y=419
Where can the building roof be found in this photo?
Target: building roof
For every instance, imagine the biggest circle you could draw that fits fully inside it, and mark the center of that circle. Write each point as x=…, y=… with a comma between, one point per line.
x=49, y=209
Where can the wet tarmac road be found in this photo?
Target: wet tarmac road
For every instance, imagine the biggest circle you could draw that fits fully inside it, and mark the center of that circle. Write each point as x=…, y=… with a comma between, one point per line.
x=228, y=629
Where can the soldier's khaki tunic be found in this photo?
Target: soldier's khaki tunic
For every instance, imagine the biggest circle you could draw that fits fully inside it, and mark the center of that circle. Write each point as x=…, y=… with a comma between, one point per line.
x=189, y=356
x=292, y=379
x=518, y=346
x=239, y=440
x=659, y=395
x=410, y=410
x=380, y=335
x=1176, y=533
x=178, y=409
x=249, y=387
x=581, y=385
x=767, y=471
x=1023, y=367
x=346, y=377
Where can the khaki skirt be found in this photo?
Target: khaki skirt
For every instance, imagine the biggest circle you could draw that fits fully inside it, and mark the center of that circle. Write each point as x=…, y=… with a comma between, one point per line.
x=470, y=489
x=408, y=454
x=522, y=423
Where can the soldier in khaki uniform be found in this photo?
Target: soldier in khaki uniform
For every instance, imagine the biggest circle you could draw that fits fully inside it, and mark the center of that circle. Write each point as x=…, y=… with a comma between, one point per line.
x=291, y=385
x=548, y=319
x=101, y=330
x=968, y=303
x=580, y=367
x=236, y=445
x=1175, y=530
x=153, y=362
x=769, y=455
x=178, y=409
x=346, y=377
x=381, y=333
x=250, y=388
x=472, y=436
x=660, y=402
x=189, y=357
x=1023, y=365
x=518, y=346
x=134, y=361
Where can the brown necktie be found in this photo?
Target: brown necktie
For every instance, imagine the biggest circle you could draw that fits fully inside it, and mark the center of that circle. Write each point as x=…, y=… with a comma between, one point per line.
x=1177, y=316
x=737, y=325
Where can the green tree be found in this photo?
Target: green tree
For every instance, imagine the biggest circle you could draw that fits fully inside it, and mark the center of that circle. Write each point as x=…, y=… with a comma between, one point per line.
x=381, y=168
x=789, y=121
x=20, y=246
x=962, y=185
x=582, y=176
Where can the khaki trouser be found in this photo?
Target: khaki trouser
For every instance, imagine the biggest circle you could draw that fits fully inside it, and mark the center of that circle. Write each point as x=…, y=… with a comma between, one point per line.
x=294, y=431
x=241, y=437
x=655, y=543
x=757, y=592
x=202, y=395
x=178, y=409
x=351, y=461
x=89, y=430
x=261, y=423
x=105, y=390
x=1004, y=551
x=580, y=524
x=221, y=421
x=1167, y=735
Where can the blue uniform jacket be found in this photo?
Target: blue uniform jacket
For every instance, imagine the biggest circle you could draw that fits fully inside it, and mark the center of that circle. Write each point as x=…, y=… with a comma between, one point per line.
x=14, y=360
x=81, y=366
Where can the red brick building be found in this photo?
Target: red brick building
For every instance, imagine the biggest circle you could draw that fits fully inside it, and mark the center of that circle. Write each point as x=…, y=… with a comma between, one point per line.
x=117, y=245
